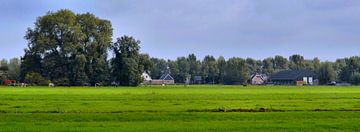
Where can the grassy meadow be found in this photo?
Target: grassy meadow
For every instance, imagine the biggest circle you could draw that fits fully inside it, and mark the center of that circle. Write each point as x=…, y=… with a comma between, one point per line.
x=180, y=108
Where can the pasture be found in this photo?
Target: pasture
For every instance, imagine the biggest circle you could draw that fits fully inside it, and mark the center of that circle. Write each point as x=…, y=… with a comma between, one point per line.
x=179, y=108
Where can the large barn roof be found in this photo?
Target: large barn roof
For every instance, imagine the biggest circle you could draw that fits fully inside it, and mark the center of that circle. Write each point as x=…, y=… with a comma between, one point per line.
x=292, y=74
x=166, y=77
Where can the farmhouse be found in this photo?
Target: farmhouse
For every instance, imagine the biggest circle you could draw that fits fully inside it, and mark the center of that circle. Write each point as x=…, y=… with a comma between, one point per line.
x=258, y=79
x=146, y=77
x=164, y=79
x=293, y=77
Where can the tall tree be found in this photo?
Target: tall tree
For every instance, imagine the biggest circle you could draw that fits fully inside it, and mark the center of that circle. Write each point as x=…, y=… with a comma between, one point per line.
x=281, y=62
x=297, y=62
x=254, y=66
x=221, y=64
x=184, y=68
x=97, y=39
x=209, y=69
x=30, y=63
x=268, y=65
x=126, y=67
x=326, y=73
x=174, y=70
x=236, y=71
x=72, y=47
x=194, y=66
x=14, y=69
x=159, y=66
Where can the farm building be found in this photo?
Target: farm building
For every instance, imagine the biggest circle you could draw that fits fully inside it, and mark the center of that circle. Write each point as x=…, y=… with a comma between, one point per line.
x=258, y=79
x=164, y=79
x=293, y=77
x=146, y=77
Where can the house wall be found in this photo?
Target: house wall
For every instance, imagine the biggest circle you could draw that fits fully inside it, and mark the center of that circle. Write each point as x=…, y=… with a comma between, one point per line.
x=257, y=81
x=284, y=82
x=160, y=82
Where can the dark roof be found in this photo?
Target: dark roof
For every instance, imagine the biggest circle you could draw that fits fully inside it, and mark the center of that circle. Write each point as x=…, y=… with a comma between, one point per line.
x=292, y=74
x=166, y=77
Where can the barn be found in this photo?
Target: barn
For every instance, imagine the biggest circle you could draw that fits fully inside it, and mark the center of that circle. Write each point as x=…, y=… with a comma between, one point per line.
x=258, y=79
x=164, y=79
x=293, y=77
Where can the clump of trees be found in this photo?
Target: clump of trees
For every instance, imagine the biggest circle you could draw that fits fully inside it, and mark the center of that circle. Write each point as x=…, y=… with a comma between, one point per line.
x=71, y=49
x=10, y=68
x=68, y=48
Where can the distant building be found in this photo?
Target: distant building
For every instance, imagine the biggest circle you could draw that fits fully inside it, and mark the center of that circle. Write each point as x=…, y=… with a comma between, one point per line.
x=258, y=79
x=197, y=80
x=146, y=77
x=293, y=77
x=164, y=79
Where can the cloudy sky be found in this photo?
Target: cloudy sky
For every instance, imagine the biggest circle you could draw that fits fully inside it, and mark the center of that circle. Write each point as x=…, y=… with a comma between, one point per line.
x=327, y=29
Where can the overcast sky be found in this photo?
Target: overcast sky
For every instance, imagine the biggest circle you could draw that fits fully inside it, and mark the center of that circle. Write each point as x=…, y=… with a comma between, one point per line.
x=327, y=29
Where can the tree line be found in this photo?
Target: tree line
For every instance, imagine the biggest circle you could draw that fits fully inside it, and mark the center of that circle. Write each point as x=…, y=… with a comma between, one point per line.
x=72, y=49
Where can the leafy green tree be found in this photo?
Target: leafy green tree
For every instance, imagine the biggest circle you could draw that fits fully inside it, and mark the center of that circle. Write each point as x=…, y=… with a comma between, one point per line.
x=146, y=65
x=221, y=64
x=14, y=69
x=297, y=62
x=355, y=78
x=159, y=66
x=268, y=65
x=351, y=66
x=184, y=68
x=209, y=69
x=281, y=62
x=236, y=71
x=194, y=66
x=72, y=48
x=254, y=66
x=4, y=63
x=326, y=73
x=126, y=67
x=97, y=39
x=30, y=62
x=175, y=70
x=34, y=78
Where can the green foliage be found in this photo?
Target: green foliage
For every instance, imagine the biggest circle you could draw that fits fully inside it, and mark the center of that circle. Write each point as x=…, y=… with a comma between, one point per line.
x=37, y=79
x=297, y=62
x=68, y=48
x=14, y=69
x=355, y=78
x=326, y=73
x=281, y=62
x=268, y=65
x=236, y=71
x=221, y=64
x=194, y=66
x=209, y=69
x=184, y=69
x=127, y=66
x=159, y=66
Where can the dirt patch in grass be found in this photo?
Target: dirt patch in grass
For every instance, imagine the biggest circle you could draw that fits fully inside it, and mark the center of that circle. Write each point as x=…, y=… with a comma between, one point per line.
x=238, y=110
x=269, y=110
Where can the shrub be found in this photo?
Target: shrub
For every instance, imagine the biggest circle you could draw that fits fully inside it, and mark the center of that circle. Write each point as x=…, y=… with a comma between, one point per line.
x=34, y=78
x=355, y=78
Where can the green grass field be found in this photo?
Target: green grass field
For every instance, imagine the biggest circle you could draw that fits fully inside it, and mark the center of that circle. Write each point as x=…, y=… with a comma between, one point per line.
x=179, y=108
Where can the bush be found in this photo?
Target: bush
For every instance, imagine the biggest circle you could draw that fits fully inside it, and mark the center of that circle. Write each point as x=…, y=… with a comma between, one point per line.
x=355, y=78
x=34, y=78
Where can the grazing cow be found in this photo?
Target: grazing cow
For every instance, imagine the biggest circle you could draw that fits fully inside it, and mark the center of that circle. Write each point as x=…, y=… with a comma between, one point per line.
x=51, y=85
x=24, y=84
